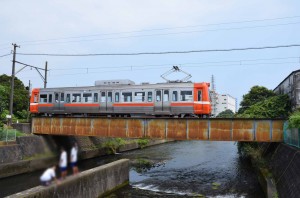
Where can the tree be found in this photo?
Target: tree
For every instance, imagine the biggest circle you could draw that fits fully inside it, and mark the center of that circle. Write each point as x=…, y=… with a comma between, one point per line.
x=272, y=107
x=20, y=102
x=255, y=95
x=226, y=114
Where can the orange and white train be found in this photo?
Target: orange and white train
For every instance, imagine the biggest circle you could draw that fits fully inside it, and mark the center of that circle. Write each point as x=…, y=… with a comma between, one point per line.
x=124, y=98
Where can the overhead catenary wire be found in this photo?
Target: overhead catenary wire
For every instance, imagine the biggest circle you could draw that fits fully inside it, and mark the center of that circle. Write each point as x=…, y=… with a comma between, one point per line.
x=160, y=29
x=163, y=53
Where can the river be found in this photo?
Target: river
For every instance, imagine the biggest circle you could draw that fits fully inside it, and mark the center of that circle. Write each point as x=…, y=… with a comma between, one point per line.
x=178, y=169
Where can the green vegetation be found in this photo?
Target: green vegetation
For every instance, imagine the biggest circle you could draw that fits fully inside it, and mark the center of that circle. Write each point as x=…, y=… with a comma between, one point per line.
x=263, y=103
x=113, y=144
x=252, y=150
x=294, y=120
x=255, y=95
x=142, y=142
x=215, y=185
x=226, y=114
x=20, y=102
x=40, y=155
x=142, y=165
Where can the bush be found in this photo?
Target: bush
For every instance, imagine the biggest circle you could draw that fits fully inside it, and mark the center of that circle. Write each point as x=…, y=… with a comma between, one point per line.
x=114, y=144
x=294, y=120
x=142, y=142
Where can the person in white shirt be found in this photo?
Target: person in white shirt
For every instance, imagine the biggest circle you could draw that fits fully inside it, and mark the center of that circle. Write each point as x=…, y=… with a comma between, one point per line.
x=73, y=158
x=48, y=176
x=63, y=163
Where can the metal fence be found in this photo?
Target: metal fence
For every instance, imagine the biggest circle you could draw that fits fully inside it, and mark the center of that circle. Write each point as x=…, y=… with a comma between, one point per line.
x=7, y=135
x=291, y=136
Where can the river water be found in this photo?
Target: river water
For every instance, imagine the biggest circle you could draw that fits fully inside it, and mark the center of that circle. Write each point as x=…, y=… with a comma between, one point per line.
x=178, y=169
x=189, y=169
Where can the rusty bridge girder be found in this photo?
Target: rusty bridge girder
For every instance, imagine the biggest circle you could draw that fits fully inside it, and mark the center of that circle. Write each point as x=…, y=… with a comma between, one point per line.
x=260, y=130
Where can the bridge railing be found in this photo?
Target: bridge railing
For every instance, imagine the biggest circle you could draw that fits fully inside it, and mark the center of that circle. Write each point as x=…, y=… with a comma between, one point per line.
x=291, y=136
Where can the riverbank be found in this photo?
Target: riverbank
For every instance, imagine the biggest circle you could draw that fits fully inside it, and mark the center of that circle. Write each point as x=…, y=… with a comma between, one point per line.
x=277, y=167
x=91, y=183
x=32, y=152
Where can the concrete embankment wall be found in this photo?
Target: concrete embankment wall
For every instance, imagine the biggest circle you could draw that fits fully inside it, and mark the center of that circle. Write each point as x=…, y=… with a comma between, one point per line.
x=29, y=153
x=34, y=152
x=91, y=183
x=285, y=164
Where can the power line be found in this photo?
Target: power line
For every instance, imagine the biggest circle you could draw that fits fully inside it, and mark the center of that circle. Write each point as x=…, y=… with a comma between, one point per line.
x=240, y=62
x=5, y=55
x=160, y=29
x=163, y=53
x=166, y=66
x=163, y=34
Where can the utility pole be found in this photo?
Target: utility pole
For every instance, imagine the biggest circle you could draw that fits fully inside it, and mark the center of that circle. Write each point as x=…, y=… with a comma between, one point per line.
x=45, y=80
x=12, y=85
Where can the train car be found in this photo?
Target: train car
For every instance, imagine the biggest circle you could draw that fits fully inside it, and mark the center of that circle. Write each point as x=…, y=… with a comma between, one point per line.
x=123, y=98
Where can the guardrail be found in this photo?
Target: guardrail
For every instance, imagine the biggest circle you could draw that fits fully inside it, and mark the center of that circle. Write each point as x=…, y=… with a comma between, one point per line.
x=291, y=136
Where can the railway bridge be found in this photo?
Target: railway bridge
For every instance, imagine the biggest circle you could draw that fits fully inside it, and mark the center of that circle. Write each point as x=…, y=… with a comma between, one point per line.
x=213, y=129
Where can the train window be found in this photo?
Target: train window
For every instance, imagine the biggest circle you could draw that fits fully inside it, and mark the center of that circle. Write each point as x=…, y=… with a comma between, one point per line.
x=158, y=96
x=166, y=95
x=56, y=97
x=150, y=96
x=127, y=96
x=62, y=97
x=199, y=95
x=117, y=97
x=43, y=98
x=95, y=97
x=103, y=97
x=186, y=96
x=68, y=98
x=35, y=99
x=175, y=96
x=87, y=97
x=76, y=97
x=109, y=96
x=139, y=96
x=50, y=98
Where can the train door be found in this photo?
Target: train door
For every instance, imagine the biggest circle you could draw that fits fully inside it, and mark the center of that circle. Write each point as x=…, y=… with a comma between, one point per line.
x=162, y=101
x=59, y=100
x=106, y=102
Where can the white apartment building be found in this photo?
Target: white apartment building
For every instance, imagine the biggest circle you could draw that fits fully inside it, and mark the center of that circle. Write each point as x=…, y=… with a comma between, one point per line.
x=222, y=102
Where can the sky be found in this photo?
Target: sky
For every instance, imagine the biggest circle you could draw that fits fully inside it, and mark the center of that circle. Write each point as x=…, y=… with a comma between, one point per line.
x=138, y=26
